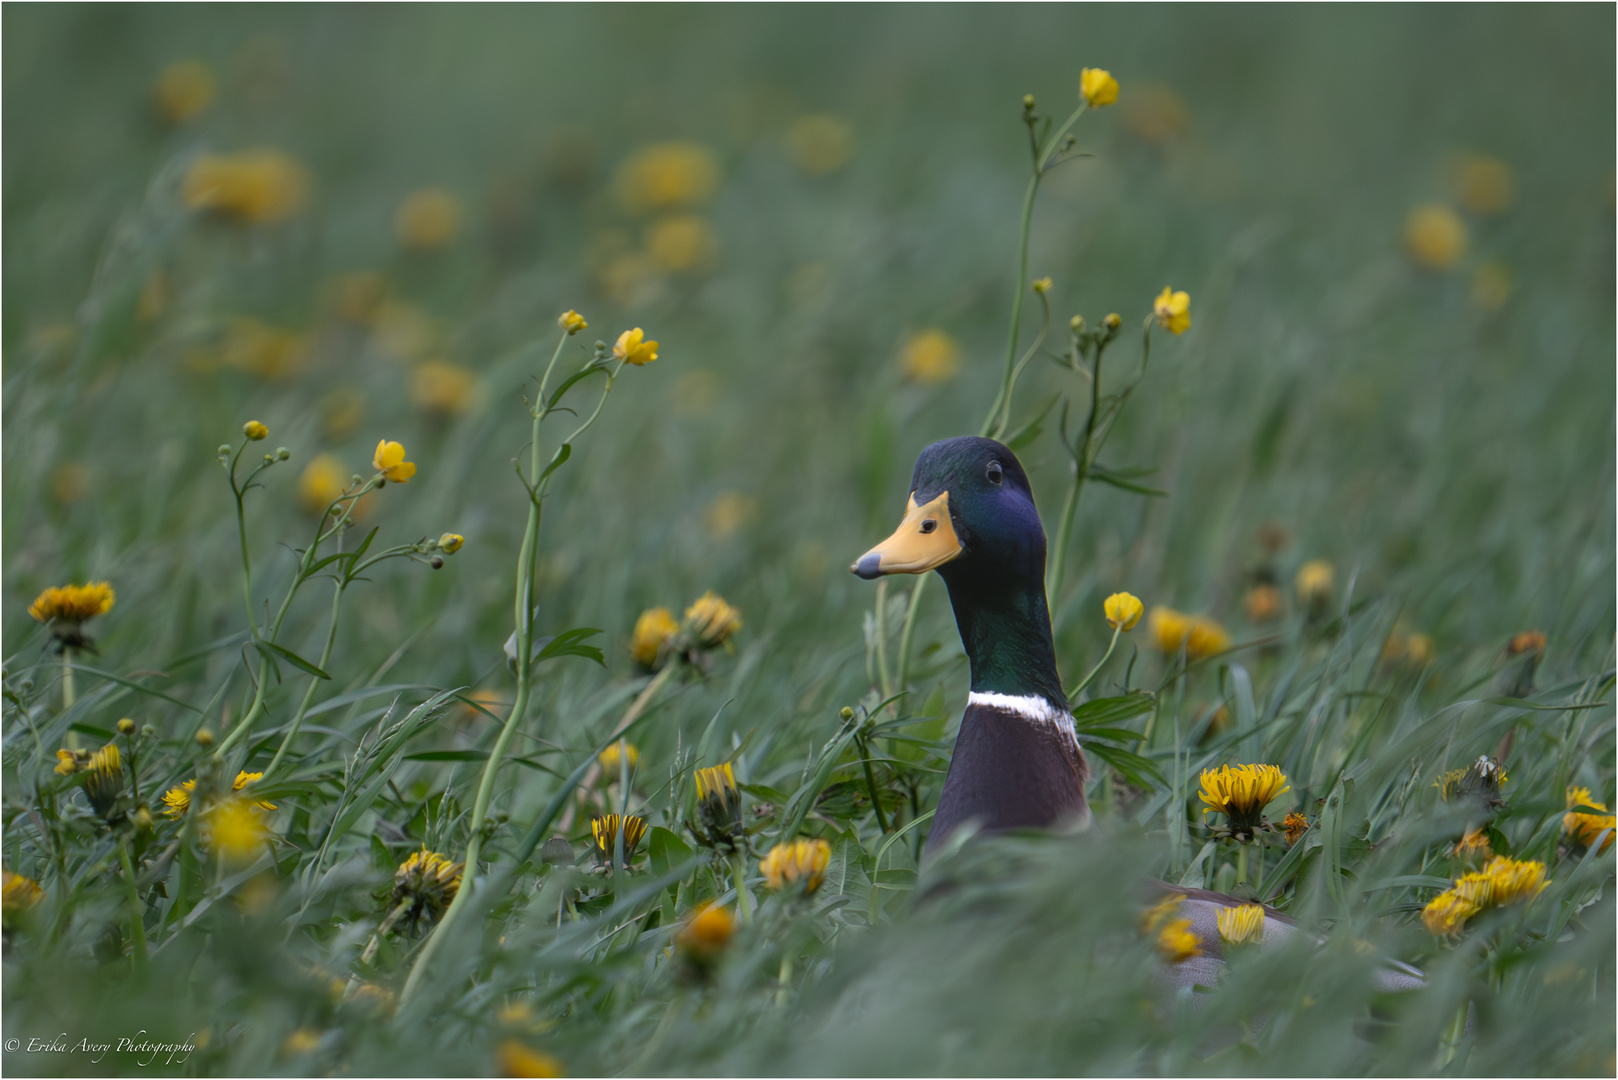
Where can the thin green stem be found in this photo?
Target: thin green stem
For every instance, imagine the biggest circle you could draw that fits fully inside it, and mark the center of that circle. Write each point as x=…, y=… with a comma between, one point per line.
x=1073, y=695
x=314, y=682
x=882, y=638
x=907, y=636
x=991, y=426
x=137, y=910
x=1241, y=862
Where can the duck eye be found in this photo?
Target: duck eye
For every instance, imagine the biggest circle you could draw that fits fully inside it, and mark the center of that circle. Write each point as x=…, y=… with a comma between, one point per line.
x=993, y=472
x=928, y=526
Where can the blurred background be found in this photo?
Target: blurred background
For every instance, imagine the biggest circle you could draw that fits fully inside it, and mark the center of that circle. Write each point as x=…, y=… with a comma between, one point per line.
x=1395, y=224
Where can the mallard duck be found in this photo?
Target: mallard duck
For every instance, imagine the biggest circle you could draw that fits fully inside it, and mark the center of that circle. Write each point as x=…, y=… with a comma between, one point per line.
x=1017, y=761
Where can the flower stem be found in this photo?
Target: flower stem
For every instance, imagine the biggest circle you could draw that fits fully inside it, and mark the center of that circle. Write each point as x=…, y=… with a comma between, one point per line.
x=1073, y=694
x=67, y=693
x=314, y=682
x=1241, y=862
x=882, y=639
x=137, y=910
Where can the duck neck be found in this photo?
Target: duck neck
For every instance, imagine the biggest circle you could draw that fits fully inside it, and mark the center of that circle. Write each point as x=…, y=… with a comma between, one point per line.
x=1006, y=631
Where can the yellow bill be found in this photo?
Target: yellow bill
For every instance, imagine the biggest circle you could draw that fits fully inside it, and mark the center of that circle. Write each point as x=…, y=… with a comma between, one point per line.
x=925, y=539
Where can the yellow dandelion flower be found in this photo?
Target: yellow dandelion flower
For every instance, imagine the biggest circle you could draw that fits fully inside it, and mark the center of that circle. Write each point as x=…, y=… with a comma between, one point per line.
x=798, y=862
x=1175, y=940
x=708, y=930
x=428, y=882
x=73, y=603
x=711, y=621
x=716, y=784
x=443, y=388
x=820, y=143
x=1492, y=285
x=613, y=757
x=729, y=511
x=1295, y=825
x=106, y=780
x=1315, y=581
x=1098, y=87
x=177, y=800
x=1263, y=603
x=1173, y=310
x=1474, y=844
x=515, y=1058
x=655, y=628
x=1581, y=827
x=322, y=483
x=236, y=830
x=1484, y=184
x=680, y=243
x=69, y=762
x=1445, y=914
x=572, y=322
x=633, y=348
x=1241, y=792
x=427, y=220
x=604, y=831
x=1528, y=641
x=719, y=806
x=1205, y=638
x=183, y=91
x=1514, y=880
x=255, y=186
x=17, y=894
x=1435, y=237
x=1242, y=925
x=930, y=357
x=667, y=176
x=1123, y=611
x=389, y=461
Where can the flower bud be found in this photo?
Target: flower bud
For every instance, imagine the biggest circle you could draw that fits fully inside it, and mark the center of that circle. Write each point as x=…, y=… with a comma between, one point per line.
x=126, y=726
x=143, y=819
x=450, y=543
x=847, y=713
x=204, y=738
x=255, y=430
x=148, y=732
x=1076, y=323
x=437, y=562
x=269, y=459
x=1042, y=285
x=1028, y=102
x=224, y=449
x=572, y=322
x=1113, y=321
x=282, y=453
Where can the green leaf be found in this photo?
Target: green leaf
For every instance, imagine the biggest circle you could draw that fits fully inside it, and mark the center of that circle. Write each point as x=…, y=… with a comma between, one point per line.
x=568, y=385
x=569, y=643
x=292, y=658
x=1117, y=480
x=665, y=850
x=563, y=452
x=449, y=755
x=1140, y=771
x=1109, y=711
x=1030, y=431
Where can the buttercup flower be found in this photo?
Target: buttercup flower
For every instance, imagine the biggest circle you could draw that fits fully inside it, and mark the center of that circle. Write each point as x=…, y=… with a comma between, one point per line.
x=711, y=621
x=255, y=186
x=1205, y=638
x=428, y=882
x=427, y=219
x=633, y=348
x=800, y=861
x=1098, y=87
x=1123, y=611
x=443, y=388
x=654, y=628
x=322, y=481
x=389, y=461
x=183, y=91
x=1242, y=925
x=604, y=830
x=668, y=175
x=1173, y=310
x=613, y=757
x=255, y=430
x=1241, y=792
x=1175, y=940
x=1435, y=237
x=930, y=357
x=1042, y=285
x=572, y=322
x=1169, y=628
x=1581, y=827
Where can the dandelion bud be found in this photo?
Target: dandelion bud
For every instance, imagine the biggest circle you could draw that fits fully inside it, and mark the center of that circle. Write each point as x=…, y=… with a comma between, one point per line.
x=450, y=543
x=143, y=819
x=106, y=780
x=1028, y=102
x=1113, y=321
x=847, y=713
x=428, y=882
x=1076, y=324
x=205, y=738
x=126, y=726
x=255, y=430
x=720, y=822
x=800, y=863
x=282, y=453
x=556, y=851
x=437, y=562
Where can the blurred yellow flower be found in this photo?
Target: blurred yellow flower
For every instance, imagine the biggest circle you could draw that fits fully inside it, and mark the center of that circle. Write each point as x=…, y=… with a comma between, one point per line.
x=177, y=800
x=357, y=297
x=236, y=830
x=255, y=430
x=1445, y=914
x=428, y=882
x=930, y=357
x=302, y=1041
x=1263, y=603
x=321, y=482
x=69, y=762
x=1474, y=843
x=1156, y=113
x=820, y=143
x=1583, y=827
x=404, y=332
x=183, y=91
x=630, y=279
x=1484, y=184
x=654, y=627
x=18, y=893
x=1123, y=611
x=255, y=186
x=612, y=759
x=1098, y=87
x=1176, y=942
x=1173, y=310
x=604, y=831
x=443, y=388
x=1169, y=628
x=515, y=1058
x=572, y=322
x=633, y=348
x=799, y=861
x=1492, y=285
x=1435, y=236
x=1419, y=649
x=1205, y=638
x=711, y=621
x=683, y=242
x=729, y=511
x=1241, y=925
x=1241, y=792
x=1513, y=880
x=1528, y=641
x=389, y=461
x=156, y=294
x=427, y=220
x=450, y=543
x=70, y=482
x=708, y=929
x=1315, y=579
x=1041, y=285
x=1295, y=825
x=667, y=176
x=696, y=392
x=73, y=604
x=269, y=352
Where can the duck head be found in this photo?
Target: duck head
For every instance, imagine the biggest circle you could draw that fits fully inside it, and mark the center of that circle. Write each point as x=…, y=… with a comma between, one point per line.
x=971, y=517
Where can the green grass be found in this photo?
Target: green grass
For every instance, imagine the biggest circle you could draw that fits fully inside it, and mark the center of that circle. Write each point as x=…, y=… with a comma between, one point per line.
x=1453, y=461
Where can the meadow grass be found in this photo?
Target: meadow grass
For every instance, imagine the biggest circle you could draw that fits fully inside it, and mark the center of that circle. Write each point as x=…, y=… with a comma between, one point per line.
x=1375, y=470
